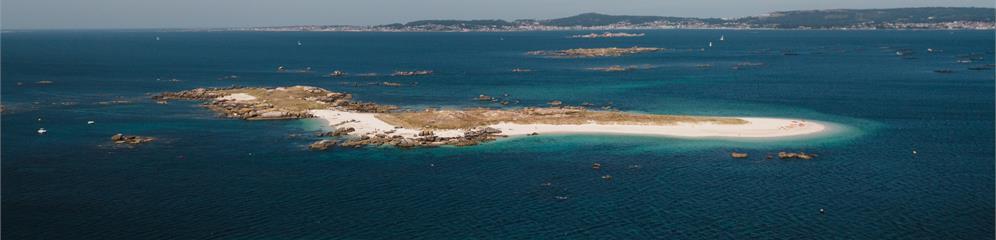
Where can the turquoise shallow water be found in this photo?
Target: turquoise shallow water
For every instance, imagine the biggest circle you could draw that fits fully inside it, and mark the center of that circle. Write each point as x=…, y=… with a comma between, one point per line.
x=209, y=177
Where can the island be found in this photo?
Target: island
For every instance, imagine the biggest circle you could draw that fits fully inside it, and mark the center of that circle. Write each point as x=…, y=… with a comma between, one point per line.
x=361, y=124
x=595, y=52
x=608, y=35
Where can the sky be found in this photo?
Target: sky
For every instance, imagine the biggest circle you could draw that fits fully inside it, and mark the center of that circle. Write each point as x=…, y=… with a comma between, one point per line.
x=106, y=14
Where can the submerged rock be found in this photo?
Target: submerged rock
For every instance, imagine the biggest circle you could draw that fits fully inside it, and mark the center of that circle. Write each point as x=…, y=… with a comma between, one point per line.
x=391, y=84
x=483, y=97
x=411, y=73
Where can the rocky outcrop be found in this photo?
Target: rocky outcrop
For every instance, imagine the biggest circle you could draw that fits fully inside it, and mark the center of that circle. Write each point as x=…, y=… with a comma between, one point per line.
x=595, y=52
x=254, y=110
x=194, y=94
x=340, y=131
x=322, y=144
x=798, y=155
x=272, y=103
x=128, y=139
x=368, y=107
x=424, y=139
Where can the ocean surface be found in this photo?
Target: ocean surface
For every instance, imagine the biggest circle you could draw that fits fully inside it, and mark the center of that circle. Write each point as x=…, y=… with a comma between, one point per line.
x=213, y=178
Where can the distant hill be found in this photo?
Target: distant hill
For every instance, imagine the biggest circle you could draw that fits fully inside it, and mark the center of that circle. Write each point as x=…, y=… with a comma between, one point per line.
x=784, y=19
x=846, y=17
x=894, y=18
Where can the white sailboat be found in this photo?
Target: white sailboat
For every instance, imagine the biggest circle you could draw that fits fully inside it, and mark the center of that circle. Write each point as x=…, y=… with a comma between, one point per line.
x=722, y=37
x=710, y=44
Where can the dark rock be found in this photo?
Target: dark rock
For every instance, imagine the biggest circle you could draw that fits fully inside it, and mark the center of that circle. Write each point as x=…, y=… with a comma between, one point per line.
x=126, y=139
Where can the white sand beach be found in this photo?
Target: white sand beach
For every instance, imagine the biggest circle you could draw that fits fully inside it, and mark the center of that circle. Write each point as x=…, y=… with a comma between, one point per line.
x=367, y=123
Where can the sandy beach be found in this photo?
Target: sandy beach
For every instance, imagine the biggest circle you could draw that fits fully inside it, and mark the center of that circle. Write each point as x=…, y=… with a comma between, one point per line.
x=368, y=123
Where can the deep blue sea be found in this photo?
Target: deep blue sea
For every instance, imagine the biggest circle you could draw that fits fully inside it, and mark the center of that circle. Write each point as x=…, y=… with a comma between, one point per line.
x=214, y=178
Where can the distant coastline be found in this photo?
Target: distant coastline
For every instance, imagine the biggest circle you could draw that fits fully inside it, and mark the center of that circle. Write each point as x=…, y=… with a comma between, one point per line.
x=926, y=18
x=921, y=18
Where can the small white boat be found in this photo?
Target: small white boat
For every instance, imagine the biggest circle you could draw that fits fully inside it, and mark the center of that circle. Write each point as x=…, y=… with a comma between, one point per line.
x=710, y=44
x=90, y=122
x=42, y=131
x=157, y=38
x=722, y=37
x=299, y=43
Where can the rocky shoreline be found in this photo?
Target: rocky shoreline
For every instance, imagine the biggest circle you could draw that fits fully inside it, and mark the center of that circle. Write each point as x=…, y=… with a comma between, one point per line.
x=286, y=103
x=424, y=139
x=249, y=103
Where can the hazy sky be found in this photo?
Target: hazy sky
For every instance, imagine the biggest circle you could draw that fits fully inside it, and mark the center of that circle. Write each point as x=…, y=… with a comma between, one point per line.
x=17, y=14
